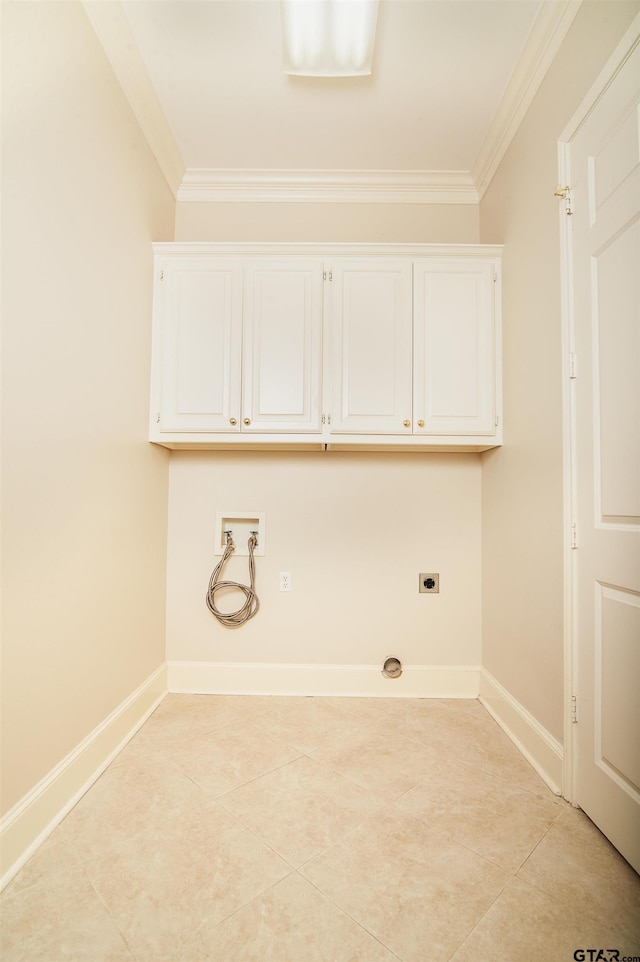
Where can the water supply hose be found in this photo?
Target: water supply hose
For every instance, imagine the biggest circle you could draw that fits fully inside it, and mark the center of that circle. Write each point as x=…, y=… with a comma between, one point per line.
x=250, y=607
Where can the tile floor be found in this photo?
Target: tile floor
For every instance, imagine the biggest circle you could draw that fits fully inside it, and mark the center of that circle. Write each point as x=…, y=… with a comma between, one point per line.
x=321, y=830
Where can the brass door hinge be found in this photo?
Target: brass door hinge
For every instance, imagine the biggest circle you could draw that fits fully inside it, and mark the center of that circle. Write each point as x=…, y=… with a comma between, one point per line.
x=565, y=192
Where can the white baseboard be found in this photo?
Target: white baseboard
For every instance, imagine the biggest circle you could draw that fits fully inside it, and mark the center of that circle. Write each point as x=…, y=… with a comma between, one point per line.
x=541, y=749
x=34, y=817
x=235, y=678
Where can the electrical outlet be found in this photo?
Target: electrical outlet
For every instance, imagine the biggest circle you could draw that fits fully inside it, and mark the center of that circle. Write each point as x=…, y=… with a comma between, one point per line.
x=285, y=581
x=428, y=583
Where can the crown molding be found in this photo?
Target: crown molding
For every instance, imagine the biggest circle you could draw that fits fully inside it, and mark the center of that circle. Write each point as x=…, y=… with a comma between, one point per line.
x=112, y=28
x=114, y=33
x=547, y=33
x=329, y=186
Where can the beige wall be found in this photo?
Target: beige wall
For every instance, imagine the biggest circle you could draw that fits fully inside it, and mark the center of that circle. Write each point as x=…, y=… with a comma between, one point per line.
x=84, y=496
x=373, y=223
x=354, y=530
x=522, y=483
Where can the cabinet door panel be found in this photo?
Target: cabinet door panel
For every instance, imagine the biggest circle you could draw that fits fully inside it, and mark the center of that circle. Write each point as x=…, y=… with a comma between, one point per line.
x=201, y=337
x=371, y=354
x=282, y=354
x=454, y=347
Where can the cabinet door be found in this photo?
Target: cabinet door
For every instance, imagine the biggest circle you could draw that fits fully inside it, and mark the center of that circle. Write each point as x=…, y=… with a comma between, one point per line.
x=282, y=352
x=454, y=347
x=371, y=346
x=198, y=319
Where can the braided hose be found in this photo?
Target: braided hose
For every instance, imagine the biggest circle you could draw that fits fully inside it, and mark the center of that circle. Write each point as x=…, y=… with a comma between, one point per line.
x=250, y=607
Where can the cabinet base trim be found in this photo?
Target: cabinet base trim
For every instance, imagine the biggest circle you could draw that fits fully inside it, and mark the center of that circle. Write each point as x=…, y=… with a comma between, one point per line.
x=402, y=445
x=235, y=678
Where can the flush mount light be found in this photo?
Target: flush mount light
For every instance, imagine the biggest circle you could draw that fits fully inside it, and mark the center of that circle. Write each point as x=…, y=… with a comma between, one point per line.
x=328, y=38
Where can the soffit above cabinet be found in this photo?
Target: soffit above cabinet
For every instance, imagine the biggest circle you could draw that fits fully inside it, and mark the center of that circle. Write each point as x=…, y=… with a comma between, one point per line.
x=451, y=82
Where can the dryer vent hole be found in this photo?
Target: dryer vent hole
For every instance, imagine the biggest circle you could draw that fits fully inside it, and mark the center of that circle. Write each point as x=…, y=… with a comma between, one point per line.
x=392, y=668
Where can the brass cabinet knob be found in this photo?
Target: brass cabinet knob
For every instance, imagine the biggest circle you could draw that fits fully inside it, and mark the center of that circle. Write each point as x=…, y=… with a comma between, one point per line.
x=407, y=424
x=246, y=421
x=233, y=421
x=420, y=423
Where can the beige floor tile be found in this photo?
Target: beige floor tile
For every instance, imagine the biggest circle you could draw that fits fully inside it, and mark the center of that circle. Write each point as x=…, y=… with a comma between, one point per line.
x=222, y=760
x=493, y=752
x=309, y=723
x=417, y=715
x=198, y=825
x=418, y=892
x=486, y=814
x=179, y=717
x=55, y=858
x=126, y=800
x=301, y=808
x=474, y=726
x=472, y=736
x=60, y=918
x=525, y=925
x=160, y=886
x=209, y=705
x=432, y=716
x=576, y=864
x=251, y=705
x=473, y=706
x=506, y=840
x=293, y=922
x=407, y=817
x=455, y=786
x=499, y=756
x=365, y=712
x=381, y=761
x=139, y=747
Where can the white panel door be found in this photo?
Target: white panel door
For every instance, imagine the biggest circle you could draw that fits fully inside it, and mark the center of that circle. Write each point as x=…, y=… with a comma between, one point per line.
x=604, y=167
x=282, y=353
x=454, y=353
x=371, y=322
x=198, y=319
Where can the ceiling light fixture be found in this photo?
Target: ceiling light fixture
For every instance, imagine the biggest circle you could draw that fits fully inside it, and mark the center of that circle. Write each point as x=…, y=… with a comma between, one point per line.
x=328, y=38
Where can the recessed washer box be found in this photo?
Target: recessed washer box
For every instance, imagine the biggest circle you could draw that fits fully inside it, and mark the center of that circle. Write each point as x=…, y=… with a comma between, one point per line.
x=241, y=524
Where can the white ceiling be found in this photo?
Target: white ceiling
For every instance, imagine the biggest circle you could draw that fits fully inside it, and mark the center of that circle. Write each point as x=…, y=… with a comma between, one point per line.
x=451, y=79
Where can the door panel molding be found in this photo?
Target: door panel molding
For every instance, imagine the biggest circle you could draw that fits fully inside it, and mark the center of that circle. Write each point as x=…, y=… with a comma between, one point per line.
x=611, y=514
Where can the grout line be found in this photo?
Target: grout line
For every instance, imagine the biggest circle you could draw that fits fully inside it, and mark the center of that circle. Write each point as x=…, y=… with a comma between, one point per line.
x=483, y=916
x=239, y=908
x=109, y=915
x=348, y=915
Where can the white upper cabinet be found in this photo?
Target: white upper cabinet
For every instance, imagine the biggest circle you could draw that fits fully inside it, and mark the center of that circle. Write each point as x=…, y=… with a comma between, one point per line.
x=197, y=345
x=237, y=348
x=454, y=383
x=282, y=355
x=371, y=346
x=343, y=346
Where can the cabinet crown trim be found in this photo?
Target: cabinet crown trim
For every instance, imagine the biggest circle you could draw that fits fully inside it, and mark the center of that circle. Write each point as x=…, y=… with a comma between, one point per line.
x=325, y=250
